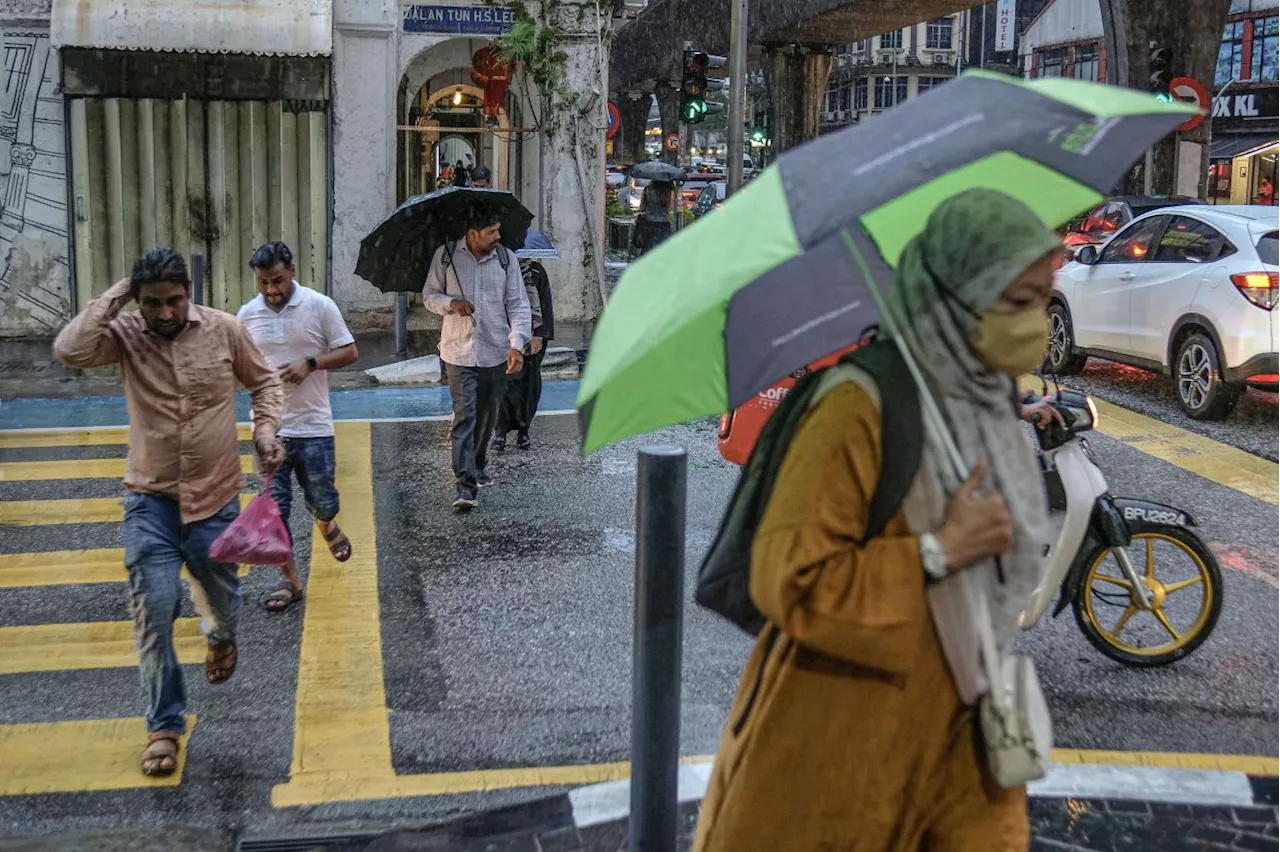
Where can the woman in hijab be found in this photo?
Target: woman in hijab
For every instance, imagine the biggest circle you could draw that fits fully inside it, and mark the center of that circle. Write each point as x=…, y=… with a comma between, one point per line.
x=854, y=725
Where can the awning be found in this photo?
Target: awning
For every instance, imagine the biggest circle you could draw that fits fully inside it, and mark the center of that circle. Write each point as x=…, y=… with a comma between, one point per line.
x=1227, y=147
x=261, y=27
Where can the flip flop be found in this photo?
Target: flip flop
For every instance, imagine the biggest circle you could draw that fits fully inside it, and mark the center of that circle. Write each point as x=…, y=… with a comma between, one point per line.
x=283, y=597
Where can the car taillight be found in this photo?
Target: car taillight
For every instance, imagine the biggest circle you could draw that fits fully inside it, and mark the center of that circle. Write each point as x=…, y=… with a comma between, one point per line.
x=726, y=424
x=1258, y=287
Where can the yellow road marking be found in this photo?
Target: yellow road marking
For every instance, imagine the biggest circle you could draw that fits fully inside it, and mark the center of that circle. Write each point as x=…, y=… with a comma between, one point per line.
x=68, y=568
x=342, y=738
x=86, y=510
x=62, y=568
x=1249, y=764
x=73, y=757
x=22, y=439
x=76, y=469
x=1214, y=460
x=87, y=645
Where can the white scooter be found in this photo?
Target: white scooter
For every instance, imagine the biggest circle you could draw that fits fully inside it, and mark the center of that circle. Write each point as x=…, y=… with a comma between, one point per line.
x=1115, y=557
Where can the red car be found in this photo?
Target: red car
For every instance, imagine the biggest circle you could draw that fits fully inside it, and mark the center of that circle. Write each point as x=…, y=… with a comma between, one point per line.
x=740, y=428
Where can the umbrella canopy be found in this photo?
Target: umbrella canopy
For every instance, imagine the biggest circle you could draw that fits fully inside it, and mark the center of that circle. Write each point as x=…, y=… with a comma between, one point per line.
x=537, y=246
x=396, y=256
x=657, y=170
x=767, y=285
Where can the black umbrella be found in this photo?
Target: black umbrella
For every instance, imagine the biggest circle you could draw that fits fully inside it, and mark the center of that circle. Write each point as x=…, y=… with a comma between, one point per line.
x=657, y=170
x=396, y=256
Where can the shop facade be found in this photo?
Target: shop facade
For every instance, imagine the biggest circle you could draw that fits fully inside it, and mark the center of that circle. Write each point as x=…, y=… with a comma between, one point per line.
x=1243, y=153
x=215, y=127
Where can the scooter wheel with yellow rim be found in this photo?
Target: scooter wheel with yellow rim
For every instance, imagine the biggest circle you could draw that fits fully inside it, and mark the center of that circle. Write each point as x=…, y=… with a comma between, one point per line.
x=1181, y=576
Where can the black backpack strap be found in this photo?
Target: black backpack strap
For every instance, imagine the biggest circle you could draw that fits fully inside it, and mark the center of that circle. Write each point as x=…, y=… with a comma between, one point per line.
x=901, y=430
x=504, y=257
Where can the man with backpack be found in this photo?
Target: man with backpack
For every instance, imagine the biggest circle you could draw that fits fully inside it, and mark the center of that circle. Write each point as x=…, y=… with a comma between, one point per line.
x=476, y=285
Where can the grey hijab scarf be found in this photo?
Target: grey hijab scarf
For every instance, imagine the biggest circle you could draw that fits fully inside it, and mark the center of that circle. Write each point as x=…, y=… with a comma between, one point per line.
x=972, y=248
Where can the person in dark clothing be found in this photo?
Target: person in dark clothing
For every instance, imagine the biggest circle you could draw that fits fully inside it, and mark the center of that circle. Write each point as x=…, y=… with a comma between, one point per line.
x=524, y=388
x=653, y=225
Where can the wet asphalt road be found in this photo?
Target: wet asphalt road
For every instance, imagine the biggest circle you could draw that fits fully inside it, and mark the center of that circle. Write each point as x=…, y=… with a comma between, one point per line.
x=506, y=637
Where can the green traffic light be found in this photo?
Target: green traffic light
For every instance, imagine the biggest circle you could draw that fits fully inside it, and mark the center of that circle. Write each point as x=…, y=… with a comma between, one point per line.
x=1165, y=96
x=693, y=110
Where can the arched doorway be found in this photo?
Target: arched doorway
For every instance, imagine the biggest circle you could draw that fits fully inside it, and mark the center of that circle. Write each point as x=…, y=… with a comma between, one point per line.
x=440, y=121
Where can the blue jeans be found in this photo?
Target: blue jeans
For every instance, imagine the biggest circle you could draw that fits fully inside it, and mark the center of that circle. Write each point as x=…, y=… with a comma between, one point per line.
x=312, y=462
x=156, y=544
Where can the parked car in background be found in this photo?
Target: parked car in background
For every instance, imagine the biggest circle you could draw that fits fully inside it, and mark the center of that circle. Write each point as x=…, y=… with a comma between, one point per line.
x=710, y=198
x=631, y=191
x=1096, y=226
x=1186, y=291
x=693, y=186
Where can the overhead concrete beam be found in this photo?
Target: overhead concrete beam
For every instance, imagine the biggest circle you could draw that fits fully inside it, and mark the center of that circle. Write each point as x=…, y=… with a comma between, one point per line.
x=650, y=46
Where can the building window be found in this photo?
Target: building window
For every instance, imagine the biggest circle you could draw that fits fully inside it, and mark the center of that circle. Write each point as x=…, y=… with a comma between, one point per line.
x=938, y=34
x=1052, y=63
x=1086, y=65
x=927, y=83
x=890, y=91
x=860, y=93
x=860, y=46
x=839, y=96
x=1230, y=54
x=891, y=41
x=1266, y=35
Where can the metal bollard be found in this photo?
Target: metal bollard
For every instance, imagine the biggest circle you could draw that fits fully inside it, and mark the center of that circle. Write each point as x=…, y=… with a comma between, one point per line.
x=661, y=474
x=402, y=325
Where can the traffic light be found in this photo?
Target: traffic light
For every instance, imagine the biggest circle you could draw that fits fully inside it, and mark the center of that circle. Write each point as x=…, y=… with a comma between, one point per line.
x=693, y=87
x=1159, y=67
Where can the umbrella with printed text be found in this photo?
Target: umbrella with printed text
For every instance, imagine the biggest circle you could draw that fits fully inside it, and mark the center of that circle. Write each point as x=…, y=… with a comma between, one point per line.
x=769, y=284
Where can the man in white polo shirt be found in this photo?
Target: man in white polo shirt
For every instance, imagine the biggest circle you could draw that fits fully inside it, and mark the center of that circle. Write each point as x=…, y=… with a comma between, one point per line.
x=302, y=334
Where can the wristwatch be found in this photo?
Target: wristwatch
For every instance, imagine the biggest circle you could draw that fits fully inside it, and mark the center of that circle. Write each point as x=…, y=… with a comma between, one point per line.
x=933, y=556
x=311, y=364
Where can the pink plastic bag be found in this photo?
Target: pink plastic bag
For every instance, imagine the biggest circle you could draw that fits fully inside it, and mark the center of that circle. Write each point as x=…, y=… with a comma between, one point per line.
x=257, y=537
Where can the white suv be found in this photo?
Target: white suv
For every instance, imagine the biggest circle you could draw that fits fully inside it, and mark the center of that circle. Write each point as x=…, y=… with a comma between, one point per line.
x=1187, y=291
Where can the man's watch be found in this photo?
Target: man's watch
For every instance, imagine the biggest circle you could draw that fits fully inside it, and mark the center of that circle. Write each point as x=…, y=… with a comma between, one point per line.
x=933, y=556
x=311, y=364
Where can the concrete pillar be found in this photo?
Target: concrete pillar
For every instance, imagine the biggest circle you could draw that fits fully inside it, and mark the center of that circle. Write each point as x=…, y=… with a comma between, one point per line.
x=669, y=110
x=573, y=172
x=797, y=83
x=365, y=83
x=635, y=117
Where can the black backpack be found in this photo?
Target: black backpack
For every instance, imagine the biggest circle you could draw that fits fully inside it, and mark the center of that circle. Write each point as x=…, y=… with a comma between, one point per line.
x=724, y=578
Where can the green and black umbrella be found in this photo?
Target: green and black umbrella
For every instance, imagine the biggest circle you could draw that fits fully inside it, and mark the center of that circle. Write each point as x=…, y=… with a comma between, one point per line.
x=767, y=284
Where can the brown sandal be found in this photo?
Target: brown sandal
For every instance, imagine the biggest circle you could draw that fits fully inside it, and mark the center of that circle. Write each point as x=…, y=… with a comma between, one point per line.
x=283, y=597
x=220, y=664
x=162, y=746
x=339, y=544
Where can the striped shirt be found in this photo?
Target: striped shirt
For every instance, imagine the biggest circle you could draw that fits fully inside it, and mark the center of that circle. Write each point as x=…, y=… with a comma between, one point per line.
x=502, y=320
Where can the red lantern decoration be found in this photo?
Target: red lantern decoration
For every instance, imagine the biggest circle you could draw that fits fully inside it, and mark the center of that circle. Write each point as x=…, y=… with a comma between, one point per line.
x=490, y=73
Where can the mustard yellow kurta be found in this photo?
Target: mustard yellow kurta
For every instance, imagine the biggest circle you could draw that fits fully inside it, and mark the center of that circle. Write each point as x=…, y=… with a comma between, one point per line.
x=847, y=732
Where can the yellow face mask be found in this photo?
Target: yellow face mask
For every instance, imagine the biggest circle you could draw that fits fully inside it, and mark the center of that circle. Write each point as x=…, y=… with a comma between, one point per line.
x=1011, y=343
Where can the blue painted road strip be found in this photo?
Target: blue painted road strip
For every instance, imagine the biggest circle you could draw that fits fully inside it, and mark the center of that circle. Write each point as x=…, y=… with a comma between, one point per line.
x=362, y=404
